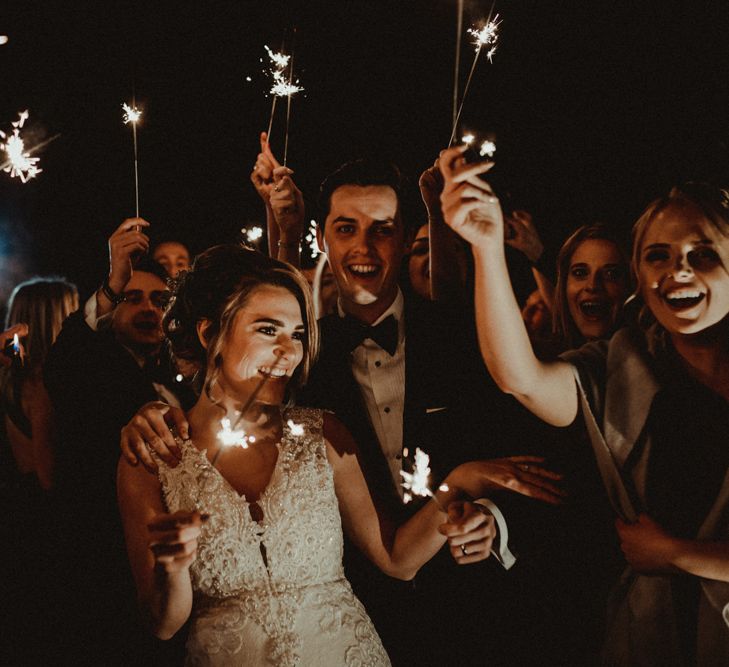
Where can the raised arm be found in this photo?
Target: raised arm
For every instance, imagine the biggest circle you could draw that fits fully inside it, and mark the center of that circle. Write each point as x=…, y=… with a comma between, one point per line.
x=284, y=204
x=471, y=209
x=161, y=548
x=397, y=551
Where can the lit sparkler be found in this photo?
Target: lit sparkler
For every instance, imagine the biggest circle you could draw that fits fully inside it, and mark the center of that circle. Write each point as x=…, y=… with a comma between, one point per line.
x=488, y=35
x=468, y=139
x=253, y=234
x=19, y=163
x=311, y=240
x=487, y=149
x=283, y=86
x=132, y=115
x=417, y=481
x=16, y=345
x=297, y=430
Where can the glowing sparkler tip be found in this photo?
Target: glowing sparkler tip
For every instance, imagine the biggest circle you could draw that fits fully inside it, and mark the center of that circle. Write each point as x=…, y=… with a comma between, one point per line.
x=19, y=163
x=253, y=234
x=16, y=344
x=230, y=437
x=468, y=139
x=416, y=482
x=487, y=35
x=444, y=488
x=131, y=114
x=487, y=149
x=3, y=39
x=311, y=239
x=280, y=60
x=296, y=429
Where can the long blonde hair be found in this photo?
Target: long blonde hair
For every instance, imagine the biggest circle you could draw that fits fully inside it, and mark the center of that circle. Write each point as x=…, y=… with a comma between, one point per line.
x=712, y=201
x=42, y=303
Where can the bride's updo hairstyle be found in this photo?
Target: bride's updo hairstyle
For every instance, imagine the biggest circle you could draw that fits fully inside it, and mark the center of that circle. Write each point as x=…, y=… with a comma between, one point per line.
x=216, y=288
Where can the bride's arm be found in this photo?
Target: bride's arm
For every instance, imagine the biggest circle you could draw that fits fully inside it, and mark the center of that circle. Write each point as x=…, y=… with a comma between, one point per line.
x=161, y=548
x=397, y=551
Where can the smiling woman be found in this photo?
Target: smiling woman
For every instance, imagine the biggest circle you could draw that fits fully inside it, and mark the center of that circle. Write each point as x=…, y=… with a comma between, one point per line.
x=593, y=282
x=655, y=402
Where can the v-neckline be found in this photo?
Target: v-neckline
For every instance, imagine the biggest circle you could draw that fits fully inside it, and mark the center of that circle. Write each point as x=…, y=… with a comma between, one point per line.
x=271, y=481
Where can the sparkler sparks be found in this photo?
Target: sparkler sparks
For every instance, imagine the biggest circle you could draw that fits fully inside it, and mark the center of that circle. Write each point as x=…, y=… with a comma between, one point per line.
x=131, y=114
x=279, y=60
x=283, y=88
x=230, y=437
x=297, y=430
x=488, y=35
x=468, y=139
x=19, y=163
x=417, y=481
x=488, y=148
x=311, y=240
x=253, y=234
x=16, y=345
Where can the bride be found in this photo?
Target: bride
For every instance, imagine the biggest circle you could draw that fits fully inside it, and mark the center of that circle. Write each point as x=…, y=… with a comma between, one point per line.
x=246, y=541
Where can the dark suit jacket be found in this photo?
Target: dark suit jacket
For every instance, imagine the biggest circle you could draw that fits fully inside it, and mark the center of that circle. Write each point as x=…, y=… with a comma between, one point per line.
x=454, y=412
x=96, y=387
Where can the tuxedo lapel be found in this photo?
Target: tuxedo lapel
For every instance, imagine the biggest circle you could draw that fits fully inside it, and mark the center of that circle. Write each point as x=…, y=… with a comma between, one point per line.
x=338, y=391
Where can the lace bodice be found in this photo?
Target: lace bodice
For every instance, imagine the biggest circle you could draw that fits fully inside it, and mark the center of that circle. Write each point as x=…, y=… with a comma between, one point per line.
x=269, y=570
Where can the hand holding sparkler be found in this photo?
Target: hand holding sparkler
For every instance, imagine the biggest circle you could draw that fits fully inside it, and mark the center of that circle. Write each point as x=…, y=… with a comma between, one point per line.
x=470, y=532
x=262, y=173
x=287, y=204
x=469, y=205
x=125, y=243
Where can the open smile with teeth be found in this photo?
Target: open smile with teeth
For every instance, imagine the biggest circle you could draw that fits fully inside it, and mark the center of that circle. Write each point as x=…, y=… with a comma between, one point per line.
x=683, y=298
x=364, y=270
x=595, y=309
x=272, y=372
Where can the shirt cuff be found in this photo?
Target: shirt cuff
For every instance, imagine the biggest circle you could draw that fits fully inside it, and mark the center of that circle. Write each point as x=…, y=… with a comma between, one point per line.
x=500, y=552
x=95, y=323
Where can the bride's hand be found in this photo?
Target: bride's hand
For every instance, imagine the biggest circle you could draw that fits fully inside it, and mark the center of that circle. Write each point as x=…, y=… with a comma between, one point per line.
x=520, y=474
x=470, y=207
x=173, y=539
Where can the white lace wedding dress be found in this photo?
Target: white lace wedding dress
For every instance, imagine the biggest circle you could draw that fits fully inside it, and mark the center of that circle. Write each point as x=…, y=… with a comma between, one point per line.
x=272, y=592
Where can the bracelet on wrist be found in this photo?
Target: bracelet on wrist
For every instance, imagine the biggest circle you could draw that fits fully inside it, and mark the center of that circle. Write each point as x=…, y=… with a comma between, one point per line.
x=110, y=294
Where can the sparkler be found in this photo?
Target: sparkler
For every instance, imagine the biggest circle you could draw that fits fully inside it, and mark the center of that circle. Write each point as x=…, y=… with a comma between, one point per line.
x=488, y=148
x=253, y=234
x=282, y=86
x=486, y=36
x=468, y=139
x=417, y=481
x=132, y=115
x=311, y=240
x=229, y=434
x=19, y=163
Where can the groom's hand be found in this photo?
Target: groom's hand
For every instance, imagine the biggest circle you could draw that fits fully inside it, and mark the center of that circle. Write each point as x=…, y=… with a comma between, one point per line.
x=150, y=429
x=173, y=539
x=470, y=532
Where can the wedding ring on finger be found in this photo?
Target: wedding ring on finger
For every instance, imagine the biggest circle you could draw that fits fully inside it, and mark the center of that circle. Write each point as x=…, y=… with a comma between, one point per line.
x=525, y=467
x=464, y=551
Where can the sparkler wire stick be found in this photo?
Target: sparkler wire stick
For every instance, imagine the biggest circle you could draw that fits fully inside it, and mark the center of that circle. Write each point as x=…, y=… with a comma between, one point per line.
x=463, y=99
x=288, y=108
x=457, y=68
x=270, y=120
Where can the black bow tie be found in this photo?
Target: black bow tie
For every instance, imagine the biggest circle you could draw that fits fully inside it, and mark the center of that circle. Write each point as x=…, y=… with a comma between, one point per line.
x=384, y=333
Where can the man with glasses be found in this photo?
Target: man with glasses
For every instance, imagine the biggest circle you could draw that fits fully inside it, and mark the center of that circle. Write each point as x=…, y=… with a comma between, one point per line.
x=104, y=365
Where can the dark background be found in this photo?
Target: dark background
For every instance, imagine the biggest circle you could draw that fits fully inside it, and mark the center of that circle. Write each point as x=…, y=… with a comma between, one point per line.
x=597, y=108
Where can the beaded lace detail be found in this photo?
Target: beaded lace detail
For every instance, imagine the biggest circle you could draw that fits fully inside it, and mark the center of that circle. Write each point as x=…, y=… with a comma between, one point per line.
x=297, y=596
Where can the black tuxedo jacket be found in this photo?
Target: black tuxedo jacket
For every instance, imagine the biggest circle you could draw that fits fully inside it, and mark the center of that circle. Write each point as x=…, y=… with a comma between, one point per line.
x=454, y=412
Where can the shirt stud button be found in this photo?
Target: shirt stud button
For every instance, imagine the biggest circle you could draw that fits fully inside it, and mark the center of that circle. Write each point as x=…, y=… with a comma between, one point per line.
x=387, y=410
x=378, y=364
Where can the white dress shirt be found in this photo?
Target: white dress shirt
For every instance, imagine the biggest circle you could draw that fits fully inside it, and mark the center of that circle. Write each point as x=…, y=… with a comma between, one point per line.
x=381, y=379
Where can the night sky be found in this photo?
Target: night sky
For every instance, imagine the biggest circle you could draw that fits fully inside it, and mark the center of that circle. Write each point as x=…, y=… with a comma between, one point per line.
x=597, y=107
